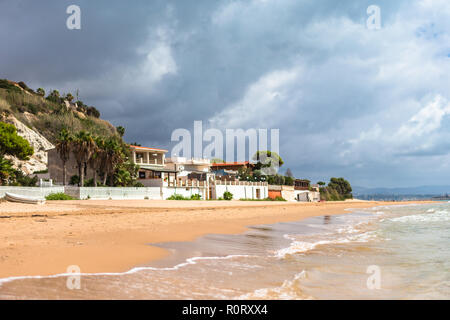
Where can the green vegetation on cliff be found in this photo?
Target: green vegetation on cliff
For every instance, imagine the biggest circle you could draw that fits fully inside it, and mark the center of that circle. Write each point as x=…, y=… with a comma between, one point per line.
x=73, y=127
x=49, y=115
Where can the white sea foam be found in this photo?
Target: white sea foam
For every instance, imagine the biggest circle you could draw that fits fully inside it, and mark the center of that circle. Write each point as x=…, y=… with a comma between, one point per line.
x=430, y=216
x=189, y=261
x=289, y=290
x=299, y=247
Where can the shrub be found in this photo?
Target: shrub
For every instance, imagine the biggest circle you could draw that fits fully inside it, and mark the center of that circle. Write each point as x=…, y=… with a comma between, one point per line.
x=40, y=92
x=93, y=112
x=26, y=181
x=13, y=144
x=138, y=185
x=25, y=87
x=74, y=180
x=180, y=197
x=59, y=196
x=289, y=181
x=89, y=183
x=266, y=199
x=227, y=196
x=41, y=171
x=177, y=197
x=5, y=84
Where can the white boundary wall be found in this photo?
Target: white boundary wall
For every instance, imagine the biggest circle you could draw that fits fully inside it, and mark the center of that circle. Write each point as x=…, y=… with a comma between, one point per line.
x=35, y=192
x=102, y=193
x=242, y=191
x=185, y=192
x=151, y=193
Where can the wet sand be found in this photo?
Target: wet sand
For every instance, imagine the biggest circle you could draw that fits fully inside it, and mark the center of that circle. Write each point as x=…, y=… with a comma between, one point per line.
x=114, y=235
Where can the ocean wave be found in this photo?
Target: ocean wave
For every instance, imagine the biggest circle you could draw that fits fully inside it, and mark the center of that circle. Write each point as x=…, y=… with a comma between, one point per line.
x=298, y=247
x=289, y=290
x=189, y=261
x=429, y=216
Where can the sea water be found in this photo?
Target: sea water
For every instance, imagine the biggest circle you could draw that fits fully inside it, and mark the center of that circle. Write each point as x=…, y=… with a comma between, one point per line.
x=390, y=252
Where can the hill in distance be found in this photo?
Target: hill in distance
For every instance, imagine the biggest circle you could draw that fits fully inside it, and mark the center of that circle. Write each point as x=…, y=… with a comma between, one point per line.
x=421, y=192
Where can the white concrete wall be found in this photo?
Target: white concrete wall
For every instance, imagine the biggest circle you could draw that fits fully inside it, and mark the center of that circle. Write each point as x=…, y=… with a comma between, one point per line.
x=185, y=192
x=101, y=193
x=152, y=193
x=30, y=191
x=288, y=193
x=314, y=196
x=241, y=192
x=307, y=196
x=154, y=183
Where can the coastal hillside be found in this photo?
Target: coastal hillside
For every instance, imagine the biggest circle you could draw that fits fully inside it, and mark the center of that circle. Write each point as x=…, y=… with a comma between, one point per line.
x=39, y=118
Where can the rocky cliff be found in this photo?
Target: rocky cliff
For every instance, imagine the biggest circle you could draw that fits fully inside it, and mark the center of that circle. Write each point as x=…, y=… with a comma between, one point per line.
x=40, y=119
x=40, y=144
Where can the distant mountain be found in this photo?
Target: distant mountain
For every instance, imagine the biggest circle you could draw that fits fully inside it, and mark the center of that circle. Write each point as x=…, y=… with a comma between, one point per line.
x=400, y=193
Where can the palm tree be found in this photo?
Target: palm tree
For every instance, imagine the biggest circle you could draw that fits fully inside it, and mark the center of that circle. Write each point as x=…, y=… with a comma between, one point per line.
x=95, y=162
x=69, y=97
x=63, y=146
x=41, y=92
x=83, y=149
x=112, y=157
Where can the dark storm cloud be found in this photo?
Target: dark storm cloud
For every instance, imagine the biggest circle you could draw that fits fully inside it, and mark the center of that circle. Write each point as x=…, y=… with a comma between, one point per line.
x=310, y=68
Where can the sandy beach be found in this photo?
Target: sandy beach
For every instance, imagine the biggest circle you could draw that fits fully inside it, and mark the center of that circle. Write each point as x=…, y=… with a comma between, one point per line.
x=114, y=236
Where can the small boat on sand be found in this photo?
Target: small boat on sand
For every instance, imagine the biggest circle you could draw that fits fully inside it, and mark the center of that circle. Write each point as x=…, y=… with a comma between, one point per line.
x=23, y=199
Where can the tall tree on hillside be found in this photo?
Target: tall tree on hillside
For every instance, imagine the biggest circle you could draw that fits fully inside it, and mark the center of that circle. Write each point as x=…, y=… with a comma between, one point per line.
x=63, y=146
x=69, y=97
x=83, y=148
x=41, y=92
x=120, y=131
x=54, y=93
x=95, y=162
x=12, y=144
x=112, y=157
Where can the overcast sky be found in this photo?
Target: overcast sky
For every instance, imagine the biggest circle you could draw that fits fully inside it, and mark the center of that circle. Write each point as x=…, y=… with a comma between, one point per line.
x=369, y=105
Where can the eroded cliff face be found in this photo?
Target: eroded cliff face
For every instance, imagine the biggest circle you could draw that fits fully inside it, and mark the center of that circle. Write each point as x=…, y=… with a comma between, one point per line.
x=38, y=161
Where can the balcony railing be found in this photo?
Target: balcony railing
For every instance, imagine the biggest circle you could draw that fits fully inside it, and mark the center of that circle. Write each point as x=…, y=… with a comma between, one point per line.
x=151, y=161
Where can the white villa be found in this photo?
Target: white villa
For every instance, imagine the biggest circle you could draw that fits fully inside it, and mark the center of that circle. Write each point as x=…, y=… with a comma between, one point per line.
x=151, y=162
x=191, y=169
x=155, y=168
x=180, y=175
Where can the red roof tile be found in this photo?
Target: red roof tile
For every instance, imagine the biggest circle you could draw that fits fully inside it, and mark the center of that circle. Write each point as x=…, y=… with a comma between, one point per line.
x=226, y=164
x=146, y=148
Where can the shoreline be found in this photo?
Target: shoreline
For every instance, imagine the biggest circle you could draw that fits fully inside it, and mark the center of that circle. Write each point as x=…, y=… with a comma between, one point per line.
x=115, y=236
